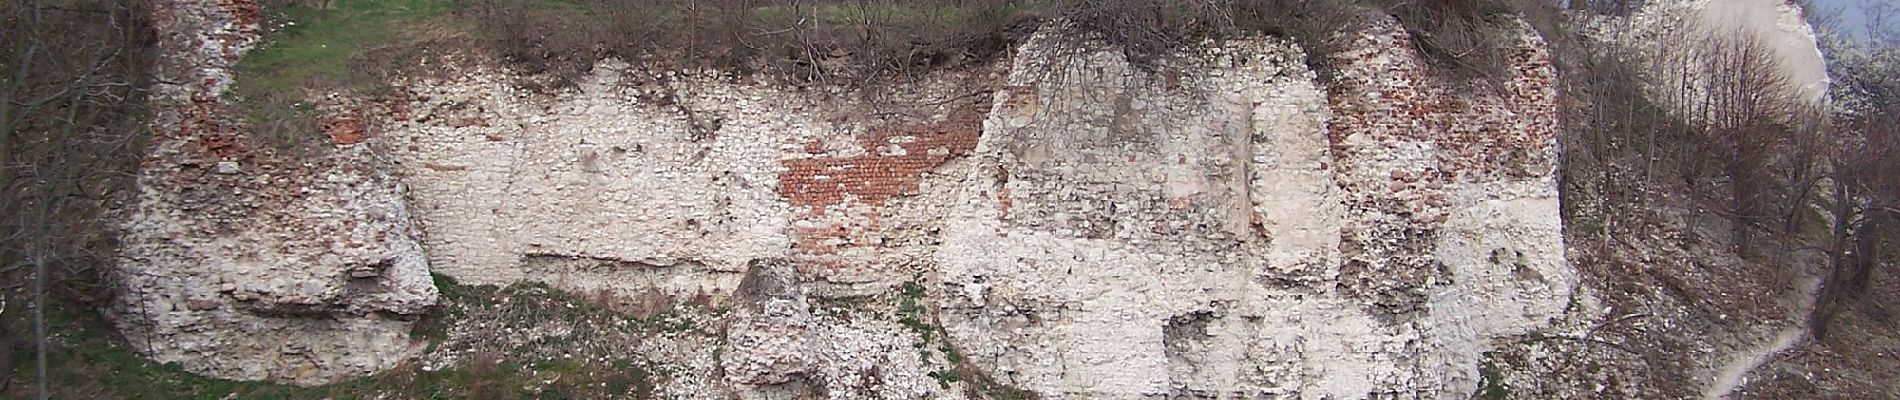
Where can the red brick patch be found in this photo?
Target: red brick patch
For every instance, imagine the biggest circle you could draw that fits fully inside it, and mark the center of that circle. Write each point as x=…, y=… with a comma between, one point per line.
x=245, y=12
x=468, y=122
x=893, y=164
x=874, y=178
x=346, y=130
x=1003, y=201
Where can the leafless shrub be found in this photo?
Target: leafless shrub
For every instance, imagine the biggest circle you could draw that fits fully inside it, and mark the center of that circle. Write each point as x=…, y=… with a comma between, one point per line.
x=69, y=138
x=1463, y=37
x=803, y=40
x=1864, y=203
x=1708, y=109
x=1318, y=26
x=1148, y=29
x=1738, y=94
x=837, y=40
x=487, y=379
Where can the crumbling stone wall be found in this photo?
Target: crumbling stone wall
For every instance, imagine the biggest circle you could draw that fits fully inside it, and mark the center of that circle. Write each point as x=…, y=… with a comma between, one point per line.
x=241, y=262
x=679, y=169
x=1218, y=225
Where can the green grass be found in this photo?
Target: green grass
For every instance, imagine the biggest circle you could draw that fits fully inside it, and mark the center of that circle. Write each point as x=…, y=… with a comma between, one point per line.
x=317, y=46
x=911, y=313
x=85, y=360
x=910, y=310
x=946, y=377
x=319, y=50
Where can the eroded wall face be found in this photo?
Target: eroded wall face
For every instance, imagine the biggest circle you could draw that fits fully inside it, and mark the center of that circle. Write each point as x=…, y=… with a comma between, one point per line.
x=1223, y=226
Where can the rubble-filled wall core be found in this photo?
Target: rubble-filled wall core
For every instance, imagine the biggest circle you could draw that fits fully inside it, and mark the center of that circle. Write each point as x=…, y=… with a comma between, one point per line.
x=1221, y=224
x=616, y=170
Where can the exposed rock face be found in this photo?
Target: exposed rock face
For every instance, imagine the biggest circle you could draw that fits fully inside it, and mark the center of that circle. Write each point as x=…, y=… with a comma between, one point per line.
x=241, y=263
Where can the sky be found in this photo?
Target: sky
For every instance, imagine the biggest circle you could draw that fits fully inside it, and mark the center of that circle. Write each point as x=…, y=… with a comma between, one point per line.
x=1854, y=18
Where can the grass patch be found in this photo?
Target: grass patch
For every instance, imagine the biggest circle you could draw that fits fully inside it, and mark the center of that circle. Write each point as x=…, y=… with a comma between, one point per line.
x=1491, y=380
x=946, y=377
x=311, y=46
x=87, y=360
x=309, y=51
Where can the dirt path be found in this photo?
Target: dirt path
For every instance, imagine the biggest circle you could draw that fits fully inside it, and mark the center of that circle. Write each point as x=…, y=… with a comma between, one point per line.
x=1787, y=36
x=1731, y=375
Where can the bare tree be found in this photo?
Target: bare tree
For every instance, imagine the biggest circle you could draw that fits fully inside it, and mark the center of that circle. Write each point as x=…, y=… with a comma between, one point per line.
x=68, y=129
x=1865, y=201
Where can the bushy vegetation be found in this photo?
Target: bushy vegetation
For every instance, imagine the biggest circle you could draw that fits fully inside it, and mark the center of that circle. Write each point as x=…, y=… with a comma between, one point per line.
x=818, y=41
x=315, y=48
